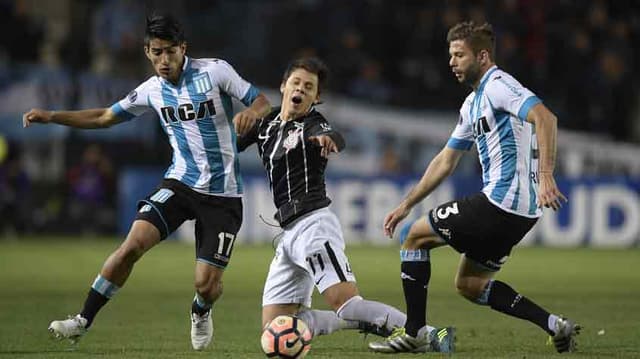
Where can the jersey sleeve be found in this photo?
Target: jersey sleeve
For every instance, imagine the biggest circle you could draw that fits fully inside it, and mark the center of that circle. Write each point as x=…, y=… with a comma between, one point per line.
x=506, y=94
x=231, y=83
x=134, y=104
x=321, y=127
x=462, y=135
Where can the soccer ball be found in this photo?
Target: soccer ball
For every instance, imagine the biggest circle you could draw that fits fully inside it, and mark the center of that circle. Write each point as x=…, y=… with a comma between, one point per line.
x=286, y=337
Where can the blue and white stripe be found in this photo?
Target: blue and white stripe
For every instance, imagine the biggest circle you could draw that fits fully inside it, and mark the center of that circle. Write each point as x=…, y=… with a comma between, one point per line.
x=204, y=149
x=505, y=152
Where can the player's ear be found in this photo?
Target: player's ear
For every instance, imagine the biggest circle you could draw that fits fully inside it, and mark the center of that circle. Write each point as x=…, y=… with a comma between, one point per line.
x=146, y=52
x=183, y=47
x=282, y=88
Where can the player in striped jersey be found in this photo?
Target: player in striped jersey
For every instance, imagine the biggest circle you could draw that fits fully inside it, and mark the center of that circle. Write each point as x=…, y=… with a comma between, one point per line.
x=294, y=143
x=515, y=135
x=192, y=98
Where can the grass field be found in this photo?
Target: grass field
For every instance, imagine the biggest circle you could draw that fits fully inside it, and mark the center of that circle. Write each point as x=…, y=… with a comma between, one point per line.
x=42, y=280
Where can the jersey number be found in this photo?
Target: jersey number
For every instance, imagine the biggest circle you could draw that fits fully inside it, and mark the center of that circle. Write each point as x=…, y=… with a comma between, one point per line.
x=447, y=211
x=225, y=243
x=317, y=258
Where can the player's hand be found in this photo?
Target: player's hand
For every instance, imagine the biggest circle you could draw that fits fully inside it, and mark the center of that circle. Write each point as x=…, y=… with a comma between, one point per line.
x=548, y=193
x=36, y=115
x=244, y=120
x=392, y=219
x=327, y=145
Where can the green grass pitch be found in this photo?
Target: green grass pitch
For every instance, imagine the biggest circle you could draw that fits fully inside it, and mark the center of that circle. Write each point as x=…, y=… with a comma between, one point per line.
x=46, y=279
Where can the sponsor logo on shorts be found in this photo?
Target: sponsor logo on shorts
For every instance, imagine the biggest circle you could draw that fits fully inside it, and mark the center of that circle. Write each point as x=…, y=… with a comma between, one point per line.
x=221, y=258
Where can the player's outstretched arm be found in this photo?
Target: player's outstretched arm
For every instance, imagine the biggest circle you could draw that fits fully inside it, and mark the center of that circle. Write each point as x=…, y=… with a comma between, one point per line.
x=546, y=131
x=244, y=120
x=440, y=168
x=93, y=118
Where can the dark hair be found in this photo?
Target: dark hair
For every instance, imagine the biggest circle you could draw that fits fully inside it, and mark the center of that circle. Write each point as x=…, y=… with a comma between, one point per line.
x=164, y=27
x=311, y=64
x=478, y=37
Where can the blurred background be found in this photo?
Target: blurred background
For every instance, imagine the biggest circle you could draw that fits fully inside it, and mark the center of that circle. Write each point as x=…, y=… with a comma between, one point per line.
x=391, y=93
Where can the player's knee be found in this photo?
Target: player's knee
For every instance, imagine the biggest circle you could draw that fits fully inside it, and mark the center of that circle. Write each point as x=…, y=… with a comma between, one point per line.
x=131, y=250
x=337, y=295
x=209, y=286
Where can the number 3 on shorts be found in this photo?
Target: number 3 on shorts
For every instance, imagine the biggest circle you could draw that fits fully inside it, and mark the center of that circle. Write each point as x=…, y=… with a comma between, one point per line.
x=444, y=212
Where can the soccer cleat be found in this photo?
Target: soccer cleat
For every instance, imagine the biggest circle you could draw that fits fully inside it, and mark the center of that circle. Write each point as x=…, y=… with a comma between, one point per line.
x=71, y=328
x=565, y=337
x=201, y=330
x=442, y=340
x=370, y=328
x=401, y=342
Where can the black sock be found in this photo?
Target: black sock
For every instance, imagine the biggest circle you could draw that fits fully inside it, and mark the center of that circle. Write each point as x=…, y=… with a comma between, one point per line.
x=92, y=305
x=415, y=279
x=506, y=300
x=195, y=308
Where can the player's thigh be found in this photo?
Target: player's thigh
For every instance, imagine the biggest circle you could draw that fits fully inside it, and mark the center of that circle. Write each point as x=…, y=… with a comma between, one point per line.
x=166, y=208
x=269, y=312
x=320, y=250
x=218, y=220
x=419, y=234
x=287, y=283
x=338, y=294
x=142, y=236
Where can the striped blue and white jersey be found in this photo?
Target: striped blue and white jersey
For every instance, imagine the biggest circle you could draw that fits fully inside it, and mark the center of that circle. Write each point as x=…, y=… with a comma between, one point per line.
x=197, y=117
x=494, y=117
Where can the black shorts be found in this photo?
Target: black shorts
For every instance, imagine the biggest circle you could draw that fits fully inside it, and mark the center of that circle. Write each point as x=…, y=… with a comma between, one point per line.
x=479, y=229
x=218, y=219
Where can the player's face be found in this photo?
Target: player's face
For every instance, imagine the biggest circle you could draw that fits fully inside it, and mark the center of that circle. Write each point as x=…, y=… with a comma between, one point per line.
x=464, y=63
x=300, y=91
x=166, y=57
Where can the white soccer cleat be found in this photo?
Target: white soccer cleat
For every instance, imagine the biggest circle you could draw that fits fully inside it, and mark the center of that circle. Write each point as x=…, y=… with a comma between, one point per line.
x=401, y=342
x=201, y=330
x=71, y=328
x=565, y=338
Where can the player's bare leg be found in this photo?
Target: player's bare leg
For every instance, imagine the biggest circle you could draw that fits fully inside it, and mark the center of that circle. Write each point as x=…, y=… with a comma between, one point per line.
x=208, y=283
x=115, y=271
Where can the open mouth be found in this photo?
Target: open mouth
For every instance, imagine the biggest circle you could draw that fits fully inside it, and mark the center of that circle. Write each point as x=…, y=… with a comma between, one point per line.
x=297, y=99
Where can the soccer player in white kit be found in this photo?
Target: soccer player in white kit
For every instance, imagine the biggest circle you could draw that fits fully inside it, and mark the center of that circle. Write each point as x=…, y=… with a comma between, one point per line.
x=515, y=136
x=192, y=98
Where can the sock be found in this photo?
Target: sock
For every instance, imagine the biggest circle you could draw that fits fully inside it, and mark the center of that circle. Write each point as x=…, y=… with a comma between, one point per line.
x=506, y=300
x=101, y=291
x=551, y=322
x=322, y=322
x=415, y=274
x=200, y=305
x=359, y=309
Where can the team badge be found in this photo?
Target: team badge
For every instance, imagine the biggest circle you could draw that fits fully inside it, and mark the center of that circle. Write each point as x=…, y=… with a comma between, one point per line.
x=292, y=139
x=133, y=95
x=202, y=83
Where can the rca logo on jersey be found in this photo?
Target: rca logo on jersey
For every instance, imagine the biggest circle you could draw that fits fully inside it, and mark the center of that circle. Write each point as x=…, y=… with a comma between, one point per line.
x=293, y=138
x=186, y=112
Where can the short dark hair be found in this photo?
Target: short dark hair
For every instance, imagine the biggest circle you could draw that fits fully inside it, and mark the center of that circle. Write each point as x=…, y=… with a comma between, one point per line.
x=478, y=37
x=311, y=64
x=164, y=27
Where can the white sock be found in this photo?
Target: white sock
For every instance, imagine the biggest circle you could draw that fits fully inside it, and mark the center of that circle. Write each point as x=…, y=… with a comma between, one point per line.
x=322, y=322
x=377, y=313
x=551, y=322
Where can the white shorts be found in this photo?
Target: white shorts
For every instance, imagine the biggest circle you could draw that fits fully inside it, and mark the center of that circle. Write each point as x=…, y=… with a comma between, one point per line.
x=310, y=252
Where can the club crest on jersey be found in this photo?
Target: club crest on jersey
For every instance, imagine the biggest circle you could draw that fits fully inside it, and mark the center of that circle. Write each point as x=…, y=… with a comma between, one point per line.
x=292, y=139
x=202, y=83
